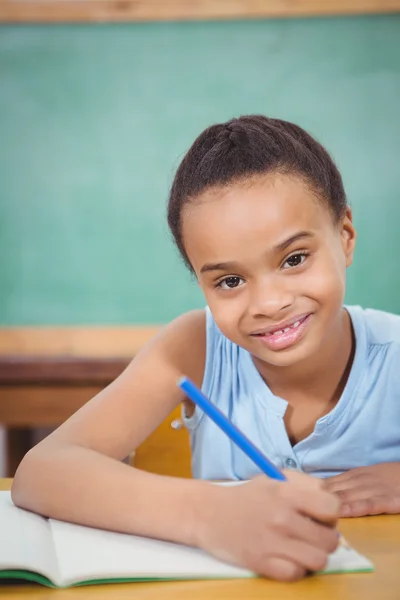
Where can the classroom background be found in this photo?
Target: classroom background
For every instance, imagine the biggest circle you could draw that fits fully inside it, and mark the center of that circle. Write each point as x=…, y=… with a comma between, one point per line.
x=96, y=111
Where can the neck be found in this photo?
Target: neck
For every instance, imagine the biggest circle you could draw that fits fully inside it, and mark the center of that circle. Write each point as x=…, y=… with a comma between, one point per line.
x=319, y=375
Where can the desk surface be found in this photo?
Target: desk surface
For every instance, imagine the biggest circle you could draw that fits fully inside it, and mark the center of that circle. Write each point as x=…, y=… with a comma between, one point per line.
x=376, y=537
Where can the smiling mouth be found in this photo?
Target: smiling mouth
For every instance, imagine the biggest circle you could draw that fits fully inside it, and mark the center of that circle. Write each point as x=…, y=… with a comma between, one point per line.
x=284, y=337
x=282, y=330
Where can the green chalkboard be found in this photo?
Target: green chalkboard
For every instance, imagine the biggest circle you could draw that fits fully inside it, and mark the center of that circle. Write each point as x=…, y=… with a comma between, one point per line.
x=94, y=120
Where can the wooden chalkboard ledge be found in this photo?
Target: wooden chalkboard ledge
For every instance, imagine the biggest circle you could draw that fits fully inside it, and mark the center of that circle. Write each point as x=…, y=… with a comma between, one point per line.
x=86, y=342
x=21, y=11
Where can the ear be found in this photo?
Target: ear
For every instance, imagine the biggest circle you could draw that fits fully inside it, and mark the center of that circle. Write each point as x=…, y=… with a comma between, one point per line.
x=348, y=236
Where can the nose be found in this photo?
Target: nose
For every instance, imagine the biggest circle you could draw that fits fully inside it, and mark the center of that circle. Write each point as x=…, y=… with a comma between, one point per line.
x=270, y=297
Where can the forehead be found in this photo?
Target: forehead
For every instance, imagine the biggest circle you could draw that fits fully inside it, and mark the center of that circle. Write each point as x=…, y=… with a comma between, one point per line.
x=226, y=224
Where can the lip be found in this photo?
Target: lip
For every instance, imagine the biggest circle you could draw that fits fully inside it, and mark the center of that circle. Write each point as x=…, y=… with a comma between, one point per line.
x=282, y=341
x=281, y=325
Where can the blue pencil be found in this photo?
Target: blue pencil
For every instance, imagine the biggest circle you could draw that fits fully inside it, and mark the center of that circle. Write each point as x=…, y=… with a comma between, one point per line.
x=230, y=429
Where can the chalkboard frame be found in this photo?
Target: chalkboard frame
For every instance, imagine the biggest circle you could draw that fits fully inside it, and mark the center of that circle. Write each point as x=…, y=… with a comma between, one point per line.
x=86, y=11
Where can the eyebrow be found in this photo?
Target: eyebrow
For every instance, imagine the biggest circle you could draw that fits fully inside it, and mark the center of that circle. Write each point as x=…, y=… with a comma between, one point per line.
x=294, y=238
x=228, y=266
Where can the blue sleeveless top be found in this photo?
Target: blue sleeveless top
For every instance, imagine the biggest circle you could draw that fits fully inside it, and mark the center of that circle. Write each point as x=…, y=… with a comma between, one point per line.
x=362, y=429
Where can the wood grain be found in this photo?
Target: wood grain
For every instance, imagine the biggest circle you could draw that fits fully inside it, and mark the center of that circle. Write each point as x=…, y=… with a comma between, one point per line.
x=167, y=450
x=23, y=408
x=42, y=406
x=74, y=371
x=22, y=11
x=104, y=342
x=18, y=442
x=48, y=373
x=5, y=484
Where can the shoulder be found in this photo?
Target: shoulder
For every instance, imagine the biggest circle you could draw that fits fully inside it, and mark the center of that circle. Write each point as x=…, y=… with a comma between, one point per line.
x=187, y=324
x=182, y=342
x=381, y=327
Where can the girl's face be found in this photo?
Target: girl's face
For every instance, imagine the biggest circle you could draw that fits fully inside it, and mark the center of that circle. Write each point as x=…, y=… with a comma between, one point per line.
x=272, y=265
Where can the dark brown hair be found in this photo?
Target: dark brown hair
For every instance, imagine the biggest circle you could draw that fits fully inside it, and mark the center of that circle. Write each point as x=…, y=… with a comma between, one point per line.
x=247, y=147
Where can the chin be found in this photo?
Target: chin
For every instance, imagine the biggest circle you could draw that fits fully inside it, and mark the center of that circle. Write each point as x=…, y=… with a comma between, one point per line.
x=287, y=357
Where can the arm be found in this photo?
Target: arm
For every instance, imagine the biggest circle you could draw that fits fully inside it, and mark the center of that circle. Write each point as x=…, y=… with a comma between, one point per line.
x=75, y=474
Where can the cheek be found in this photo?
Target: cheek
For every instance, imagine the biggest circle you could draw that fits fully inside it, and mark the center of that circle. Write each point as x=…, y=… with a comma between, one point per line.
x=327, y=281
x=226, y=312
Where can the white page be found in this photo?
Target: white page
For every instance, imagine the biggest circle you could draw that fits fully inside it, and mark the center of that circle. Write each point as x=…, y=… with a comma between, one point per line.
x=25, y=540
x=84, y=553
x=345, y=558
x=30, y=542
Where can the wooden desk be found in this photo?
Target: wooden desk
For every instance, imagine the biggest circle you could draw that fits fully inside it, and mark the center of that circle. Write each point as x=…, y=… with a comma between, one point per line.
x=43, y=391
x=46, y=374
x=39, y=391
x=377, y=537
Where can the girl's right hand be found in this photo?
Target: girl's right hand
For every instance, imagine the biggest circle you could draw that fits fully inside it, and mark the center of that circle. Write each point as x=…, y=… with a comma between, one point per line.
x=279, y=530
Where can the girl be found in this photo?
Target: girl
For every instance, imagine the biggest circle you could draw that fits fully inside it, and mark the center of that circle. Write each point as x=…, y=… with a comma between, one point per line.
x=259, y=214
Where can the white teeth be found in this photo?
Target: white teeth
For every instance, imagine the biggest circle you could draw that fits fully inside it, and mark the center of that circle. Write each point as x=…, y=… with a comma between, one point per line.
x=286, y=329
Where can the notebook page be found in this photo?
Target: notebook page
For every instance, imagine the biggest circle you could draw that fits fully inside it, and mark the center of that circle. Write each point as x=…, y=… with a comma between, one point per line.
x=26, y=542
x=346, y=559
x=84, y=554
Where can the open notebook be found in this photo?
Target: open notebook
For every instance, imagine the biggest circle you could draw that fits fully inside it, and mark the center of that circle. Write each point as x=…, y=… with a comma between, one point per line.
x=59, y=554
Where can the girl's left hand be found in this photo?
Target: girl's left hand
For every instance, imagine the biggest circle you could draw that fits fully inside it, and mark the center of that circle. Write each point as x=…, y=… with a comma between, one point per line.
x=373, y=490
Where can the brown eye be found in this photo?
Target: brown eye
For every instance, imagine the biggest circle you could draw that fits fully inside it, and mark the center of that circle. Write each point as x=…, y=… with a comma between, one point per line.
x=295, y=260
x=230, y=283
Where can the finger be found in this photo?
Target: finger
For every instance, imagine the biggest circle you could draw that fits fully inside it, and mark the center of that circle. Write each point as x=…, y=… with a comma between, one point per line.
x=357, y=493
x=350, y=480
x=334, y=485
x=281, y=569
x=313, y=533
x=305, y=555
x=313, y=501
x=375, y=505
x=338, y=478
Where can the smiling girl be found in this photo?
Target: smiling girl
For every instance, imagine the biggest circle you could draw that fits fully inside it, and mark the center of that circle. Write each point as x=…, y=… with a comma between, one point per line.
x=258, y=211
